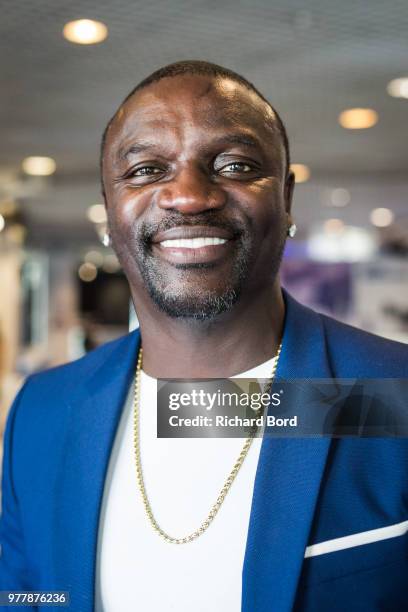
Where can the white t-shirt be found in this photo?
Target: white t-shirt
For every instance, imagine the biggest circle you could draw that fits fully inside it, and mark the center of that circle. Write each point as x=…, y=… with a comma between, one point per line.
x=136, y=569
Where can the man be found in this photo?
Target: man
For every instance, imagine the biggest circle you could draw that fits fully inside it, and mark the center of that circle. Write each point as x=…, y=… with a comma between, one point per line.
x=197, y=184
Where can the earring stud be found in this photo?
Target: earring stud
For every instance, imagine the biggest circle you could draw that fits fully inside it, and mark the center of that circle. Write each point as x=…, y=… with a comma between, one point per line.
x=106, y=239
x=292, y=230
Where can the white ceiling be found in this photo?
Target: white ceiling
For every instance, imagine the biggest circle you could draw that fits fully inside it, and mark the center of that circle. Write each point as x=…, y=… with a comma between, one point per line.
x=310, y=62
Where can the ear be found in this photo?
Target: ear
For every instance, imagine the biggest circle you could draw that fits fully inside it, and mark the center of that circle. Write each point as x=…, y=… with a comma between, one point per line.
x=288, y=193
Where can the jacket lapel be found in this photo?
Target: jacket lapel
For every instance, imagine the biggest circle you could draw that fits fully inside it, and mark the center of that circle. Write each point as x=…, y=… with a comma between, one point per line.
x=287, y=480
x=94, y=415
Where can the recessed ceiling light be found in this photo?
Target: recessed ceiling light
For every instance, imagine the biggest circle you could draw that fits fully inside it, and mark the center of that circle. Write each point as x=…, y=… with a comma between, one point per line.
x=97, y=213
x=39, y=166
x=339, y=197
x=87, y=272
x=358, y=118
x=398, y=88
x=94, y=257
x=381, y=217
x=301, y=172
x=85, y=31
x=2, y=223
x=333, y=226
x=111, y=264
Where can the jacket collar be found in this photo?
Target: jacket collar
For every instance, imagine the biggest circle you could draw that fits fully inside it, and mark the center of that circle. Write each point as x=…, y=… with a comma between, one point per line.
x=284, y=496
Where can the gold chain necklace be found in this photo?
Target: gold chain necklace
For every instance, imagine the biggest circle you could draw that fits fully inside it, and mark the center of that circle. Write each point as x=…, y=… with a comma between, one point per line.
x=227, y=485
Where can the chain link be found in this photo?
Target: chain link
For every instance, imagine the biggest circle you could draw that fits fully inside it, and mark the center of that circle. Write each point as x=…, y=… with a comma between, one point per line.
x=227, y=485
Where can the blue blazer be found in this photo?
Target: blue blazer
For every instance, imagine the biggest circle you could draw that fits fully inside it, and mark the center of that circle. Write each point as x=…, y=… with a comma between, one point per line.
x=307, y=491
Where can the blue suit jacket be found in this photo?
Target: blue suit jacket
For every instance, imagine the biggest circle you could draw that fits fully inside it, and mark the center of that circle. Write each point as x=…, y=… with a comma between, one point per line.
x=58, y=441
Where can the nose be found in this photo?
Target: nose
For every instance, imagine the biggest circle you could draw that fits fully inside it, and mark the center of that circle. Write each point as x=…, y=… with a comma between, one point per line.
x=191, y=191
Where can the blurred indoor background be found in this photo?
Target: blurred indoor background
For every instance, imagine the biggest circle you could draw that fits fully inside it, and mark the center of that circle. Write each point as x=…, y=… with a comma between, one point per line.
x=338, y=74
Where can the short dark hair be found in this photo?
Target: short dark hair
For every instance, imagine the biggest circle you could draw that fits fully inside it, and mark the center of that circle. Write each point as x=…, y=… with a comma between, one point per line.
x=197, y=67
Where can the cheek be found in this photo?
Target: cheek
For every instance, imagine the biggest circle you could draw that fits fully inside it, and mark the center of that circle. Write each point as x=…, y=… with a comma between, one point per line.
x=265, y=207
x=125, y=209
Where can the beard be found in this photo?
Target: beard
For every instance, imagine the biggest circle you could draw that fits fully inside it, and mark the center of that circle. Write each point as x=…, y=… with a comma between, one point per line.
x=200, y=305
x=181, y=290
x=184, y=294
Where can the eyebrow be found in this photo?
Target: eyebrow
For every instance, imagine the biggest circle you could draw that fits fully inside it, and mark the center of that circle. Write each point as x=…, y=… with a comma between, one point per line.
x=239, y=138
x=135, y=147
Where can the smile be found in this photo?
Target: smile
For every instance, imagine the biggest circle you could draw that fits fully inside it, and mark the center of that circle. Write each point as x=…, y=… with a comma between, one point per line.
x=192, y=243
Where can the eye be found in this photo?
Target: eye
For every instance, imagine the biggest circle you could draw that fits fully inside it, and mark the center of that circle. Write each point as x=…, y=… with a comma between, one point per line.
x=236, y=167
x=146, y=171
x=143, y=175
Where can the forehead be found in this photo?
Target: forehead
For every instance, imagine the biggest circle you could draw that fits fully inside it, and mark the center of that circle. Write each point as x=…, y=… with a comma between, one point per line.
x=198, y=104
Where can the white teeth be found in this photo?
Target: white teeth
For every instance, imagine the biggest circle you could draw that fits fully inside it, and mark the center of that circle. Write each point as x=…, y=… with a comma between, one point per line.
x=192, y=243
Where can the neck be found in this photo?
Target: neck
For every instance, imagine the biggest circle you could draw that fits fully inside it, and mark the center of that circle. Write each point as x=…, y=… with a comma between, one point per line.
x=228, y=344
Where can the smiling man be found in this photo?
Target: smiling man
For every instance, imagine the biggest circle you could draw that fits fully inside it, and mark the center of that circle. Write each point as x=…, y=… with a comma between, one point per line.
x=201, y=158
x=198, y=188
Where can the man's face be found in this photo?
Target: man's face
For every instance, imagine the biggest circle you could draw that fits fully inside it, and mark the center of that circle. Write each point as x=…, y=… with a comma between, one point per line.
x=197, y=194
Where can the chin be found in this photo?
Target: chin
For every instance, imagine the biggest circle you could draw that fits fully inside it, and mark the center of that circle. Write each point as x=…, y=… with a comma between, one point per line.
x=200, y=306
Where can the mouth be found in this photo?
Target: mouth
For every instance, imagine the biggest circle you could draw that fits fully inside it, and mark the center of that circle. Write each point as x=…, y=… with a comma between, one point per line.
x=193, y=244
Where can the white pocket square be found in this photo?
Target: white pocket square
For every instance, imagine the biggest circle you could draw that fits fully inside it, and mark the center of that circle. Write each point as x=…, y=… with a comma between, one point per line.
x=357, y=539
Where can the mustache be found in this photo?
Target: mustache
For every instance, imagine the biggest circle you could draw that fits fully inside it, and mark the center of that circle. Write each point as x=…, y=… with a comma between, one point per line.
x=174, y=219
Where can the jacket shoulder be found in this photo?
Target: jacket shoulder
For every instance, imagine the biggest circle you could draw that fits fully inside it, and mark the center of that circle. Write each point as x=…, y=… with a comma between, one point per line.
x=66, y=378
x=355, y=352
